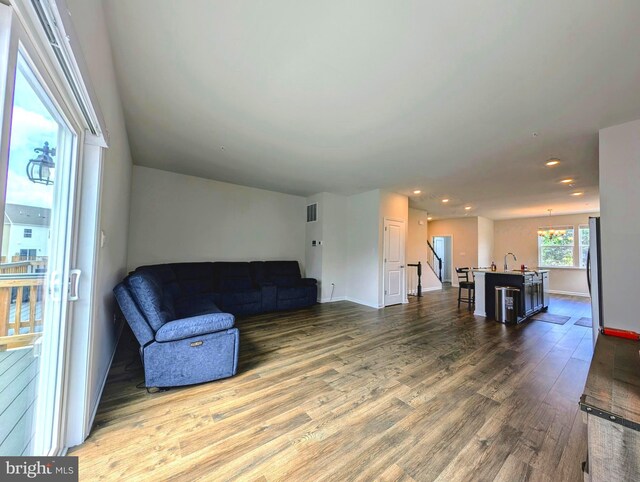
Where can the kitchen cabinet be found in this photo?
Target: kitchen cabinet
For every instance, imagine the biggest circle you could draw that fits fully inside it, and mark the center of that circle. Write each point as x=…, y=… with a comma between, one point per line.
x=533, y=293
x=530, y=283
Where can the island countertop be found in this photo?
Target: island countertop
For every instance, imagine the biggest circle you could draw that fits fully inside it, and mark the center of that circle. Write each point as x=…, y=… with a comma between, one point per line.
x=513, y=272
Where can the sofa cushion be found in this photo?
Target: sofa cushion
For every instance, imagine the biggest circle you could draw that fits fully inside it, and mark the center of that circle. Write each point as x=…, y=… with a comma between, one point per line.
x=233, y=277
x=194, y=326
x=165, y=275
x=282, y=273
x=196, y=305
x=293, y=293
x=284, y=280
x=258, y=272
x=131, y=312
x=154, y=303
x=194, y=278
x=241, y=298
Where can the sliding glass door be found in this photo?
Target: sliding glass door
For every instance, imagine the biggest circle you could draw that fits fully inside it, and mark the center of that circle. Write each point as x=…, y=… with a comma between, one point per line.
x=39, y=157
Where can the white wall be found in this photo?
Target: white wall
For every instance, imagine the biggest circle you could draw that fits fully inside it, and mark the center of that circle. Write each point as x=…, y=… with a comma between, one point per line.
x=89, y=21
x=464, y=233
x=520, y=236
x=417, y=250
x=485, y=241
x=334, y=247
x=327, y=262
x=363, y=251
x=184, y=218
x=313, y=232
x=620, y=229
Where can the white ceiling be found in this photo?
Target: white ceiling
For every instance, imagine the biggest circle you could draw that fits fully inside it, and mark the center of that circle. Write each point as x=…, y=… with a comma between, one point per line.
x=304, y=97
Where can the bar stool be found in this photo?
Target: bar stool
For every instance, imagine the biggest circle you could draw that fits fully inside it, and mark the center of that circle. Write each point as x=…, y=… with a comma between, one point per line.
x=467, y=284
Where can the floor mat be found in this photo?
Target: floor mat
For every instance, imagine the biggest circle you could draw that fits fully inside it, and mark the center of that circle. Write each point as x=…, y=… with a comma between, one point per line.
x=551, y=318
x=584, y=321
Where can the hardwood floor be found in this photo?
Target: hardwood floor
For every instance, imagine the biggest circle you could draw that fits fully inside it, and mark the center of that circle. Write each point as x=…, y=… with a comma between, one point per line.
x=422, y=391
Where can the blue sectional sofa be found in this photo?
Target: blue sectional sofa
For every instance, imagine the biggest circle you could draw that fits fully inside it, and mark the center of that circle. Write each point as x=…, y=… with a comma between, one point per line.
x=183, y=314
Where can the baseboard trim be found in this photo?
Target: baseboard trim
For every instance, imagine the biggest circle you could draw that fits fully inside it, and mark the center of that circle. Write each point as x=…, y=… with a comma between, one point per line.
x=424, y=290
x=434, y=288
x=360, y=302
x=94, y=411
x=332, y=300
x=569, y=293
x=480, y=313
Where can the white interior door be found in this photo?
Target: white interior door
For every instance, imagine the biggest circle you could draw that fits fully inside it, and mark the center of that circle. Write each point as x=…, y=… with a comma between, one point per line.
x=394, y=247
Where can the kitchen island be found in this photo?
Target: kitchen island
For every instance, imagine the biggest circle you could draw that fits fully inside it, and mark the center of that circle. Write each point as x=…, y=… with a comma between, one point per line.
x=532, y=285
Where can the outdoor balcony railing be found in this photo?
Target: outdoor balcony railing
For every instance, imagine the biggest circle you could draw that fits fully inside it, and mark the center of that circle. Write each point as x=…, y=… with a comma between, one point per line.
x=21, y=308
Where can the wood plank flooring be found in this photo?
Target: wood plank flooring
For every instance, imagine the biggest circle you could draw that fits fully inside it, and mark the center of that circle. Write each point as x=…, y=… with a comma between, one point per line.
x=422, y=391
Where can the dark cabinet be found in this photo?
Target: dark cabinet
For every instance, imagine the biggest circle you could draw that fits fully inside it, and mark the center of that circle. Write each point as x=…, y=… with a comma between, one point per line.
x=528, y=298
x=531, y=285
x=533, y=293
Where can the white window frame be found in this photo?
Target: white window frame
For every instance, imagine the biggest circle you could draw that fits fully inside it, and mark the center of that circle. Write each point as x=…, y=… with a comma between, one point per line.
x=573, y=246
x=580, y=245
x=27, y=233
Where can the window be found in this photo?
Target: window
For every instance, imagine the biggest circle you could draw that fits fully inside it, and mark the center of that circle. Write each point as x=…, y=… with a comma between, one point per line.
x=583, y=234
x=27, y=232
x=28, y=254
x=555, y=246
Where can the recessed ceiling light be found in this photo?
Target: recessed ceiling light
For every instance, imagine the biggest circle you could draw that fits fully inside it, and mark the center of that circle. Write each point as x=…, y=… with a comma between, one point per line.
x=467, y=208
x=445, y=200
x=579, y=193
x=417, y=191
x=552, y=162
x=429, y=218
x=566, y=181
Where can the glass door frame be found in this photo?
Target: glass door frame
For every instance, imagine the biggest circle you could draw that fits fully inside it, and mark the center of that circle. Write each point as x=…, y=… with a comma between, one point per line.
x=13, y=40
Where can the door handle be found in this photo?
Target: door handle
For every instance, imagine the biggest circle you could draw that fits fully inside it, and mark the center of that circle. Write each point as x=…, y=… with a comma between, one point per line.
x=74, y=282
x=55, y=285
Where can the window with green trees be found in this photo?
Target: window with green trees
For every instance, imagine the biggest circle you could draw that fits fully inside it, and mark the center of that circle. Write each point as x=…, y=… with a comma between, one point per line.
x=583, y=232
x=555, y=246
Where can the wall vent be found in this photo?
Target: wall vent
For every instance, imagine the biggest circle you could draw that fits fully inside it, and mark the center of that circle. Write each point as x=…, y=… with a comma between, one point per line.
x=312, y=212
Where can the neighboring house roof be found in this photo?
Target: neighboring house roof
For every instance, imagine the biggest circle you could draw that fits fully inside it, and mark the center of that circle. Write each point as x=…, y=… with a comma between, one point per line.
x=30, y=215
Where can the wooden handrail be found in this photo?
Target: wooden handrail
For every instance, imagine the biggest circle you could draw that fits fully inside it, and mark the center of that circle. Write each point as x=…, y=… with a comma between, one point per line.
x=12, y=296
x=433, y=251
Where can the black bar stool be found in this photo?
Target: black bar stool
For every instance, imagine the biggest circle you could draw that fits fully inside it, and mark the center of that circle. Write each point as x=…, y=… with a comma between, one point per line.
x=464, y=283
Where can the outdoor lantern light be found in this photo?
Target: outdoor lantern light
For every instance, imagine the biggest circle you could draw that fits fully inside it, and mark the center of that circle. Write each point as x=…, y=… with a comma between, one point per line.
x=40, y=169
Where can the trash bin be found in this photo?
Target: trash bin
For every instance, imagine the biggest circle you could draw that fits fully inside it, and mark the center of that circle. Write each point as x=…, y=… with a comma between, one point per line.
x=507, y=304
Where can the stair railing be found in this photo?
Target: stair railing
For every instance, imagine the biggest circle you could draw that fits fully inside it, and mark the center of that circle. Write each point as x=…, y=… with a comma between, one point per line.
x=434, y=261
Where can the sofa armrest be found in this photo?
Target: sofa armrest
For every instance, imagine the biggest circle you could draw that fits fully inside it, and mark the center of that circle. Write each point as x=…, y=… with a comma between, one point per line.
x=194, y=326
x=308, y=281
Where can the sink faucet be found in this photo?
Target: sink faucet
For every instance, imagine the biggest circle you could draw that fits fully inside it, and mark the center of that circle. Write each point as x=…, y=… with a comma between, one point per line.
x=505, y=260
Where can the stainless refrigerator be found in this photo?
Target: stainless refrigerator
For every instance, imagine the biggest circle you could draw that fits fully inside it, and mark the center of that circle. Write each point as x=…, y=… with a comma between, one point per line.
x=594, y=276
